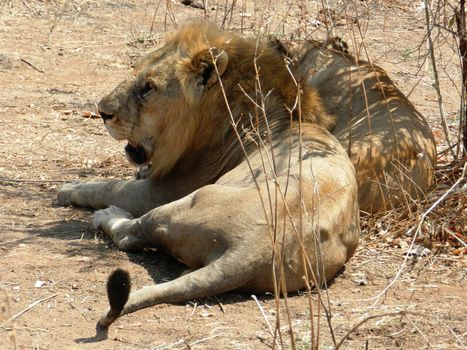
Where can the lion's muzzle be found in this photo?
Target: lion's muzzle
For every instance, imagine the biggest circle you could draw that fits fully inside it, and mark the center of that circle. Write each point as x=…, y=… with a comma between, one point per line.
x=137, y=154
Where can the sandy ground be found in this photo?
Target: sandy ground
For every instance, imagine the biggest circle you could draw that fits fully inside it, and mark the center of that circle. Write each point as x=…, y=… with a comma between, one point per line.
x=57, y=58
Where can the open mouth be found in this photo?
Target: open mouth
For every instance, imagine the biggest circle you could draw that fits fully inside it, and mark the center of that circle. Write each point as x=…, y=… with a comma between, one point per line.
x=136, y=153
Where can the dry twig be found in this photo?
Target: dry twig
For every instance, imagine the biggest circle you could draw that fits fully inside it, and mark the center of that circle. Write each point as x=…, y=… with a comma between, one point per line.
x=6, y=179
x=354, y=328
x=31, y=306
x=436, y=78
x=40, y=70
x=266, y=319
x=18, y=240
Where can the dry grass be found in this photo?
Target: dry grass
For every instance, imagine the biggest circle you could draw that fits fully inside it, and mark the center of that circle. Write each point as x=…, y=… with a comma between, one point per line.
x=443, y=228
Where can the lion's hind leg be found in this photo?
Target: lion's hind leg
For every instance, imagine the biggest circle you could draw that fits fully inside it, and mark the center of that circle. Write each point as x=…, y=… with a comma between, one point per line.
x=217, y=277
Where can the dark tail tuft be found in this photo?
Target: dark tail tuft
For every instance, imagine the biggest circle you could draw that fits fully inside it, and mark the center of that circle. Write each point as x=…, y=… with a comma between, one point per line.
x=118, y=290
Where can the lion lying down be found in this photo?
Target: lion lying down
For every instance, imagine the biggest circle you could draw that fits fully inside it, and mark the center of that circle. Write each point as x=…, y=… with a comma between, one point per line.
x=267, y=204
x=254, y=194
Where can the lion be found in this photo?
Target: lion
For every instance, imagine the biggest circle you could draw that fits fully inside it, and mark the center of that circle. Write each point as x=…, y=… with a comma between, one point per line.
x=389, y=142
x=246, y=185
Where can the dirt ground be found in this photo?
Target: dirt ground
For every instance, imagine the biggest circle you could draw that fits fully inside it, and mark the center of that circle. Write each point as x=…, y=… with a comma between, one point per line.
x=57, y=58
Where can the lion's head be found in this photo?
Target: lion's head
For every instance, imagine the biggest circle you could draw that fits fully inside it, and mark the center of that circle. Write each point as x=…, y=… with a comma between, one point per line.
x=175, y=99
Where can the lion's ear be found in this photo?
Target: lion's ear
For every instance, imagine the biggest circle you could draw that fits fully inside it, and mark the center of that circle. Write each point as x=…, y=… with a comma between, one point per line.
x=198, y=74
x=203, y=64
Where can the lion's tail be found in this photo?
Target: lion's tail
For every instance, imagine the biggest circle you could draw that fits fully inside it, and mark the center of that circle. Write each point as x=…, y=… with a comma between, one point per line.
x=209, y=280
x=118, y=292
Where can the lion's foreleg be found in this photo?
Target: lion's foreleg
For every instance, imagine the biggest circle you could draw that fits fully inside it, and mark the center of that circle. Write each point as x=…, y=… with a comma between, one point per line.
x=134, y=196
x=121, y=227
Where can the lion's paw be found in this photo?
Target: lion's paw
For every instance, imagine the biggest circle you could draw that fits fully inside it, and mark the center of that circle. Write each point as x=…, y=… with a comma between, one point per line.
x=65, y=193
x=106, y=219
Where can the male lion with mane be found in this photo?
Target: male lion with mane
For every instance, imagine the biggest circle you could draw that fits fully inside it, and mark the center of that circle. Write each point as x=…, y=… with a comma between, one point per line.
x=246, y=186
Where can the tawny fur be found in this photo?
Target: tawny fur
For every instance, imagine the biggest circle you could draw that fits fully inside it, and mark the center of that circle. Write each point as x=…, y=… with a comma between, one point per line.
x=389, y=142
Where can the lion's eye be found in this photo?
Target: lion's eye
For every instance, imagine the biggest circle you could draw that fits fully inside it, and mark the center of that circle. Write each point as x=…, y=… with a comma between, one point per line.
x=146, y=90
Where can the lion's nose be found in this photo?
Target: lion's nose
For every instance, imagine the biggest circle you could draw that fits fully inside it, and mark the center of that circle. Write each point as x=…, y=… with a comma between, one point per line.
x=105, y=116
